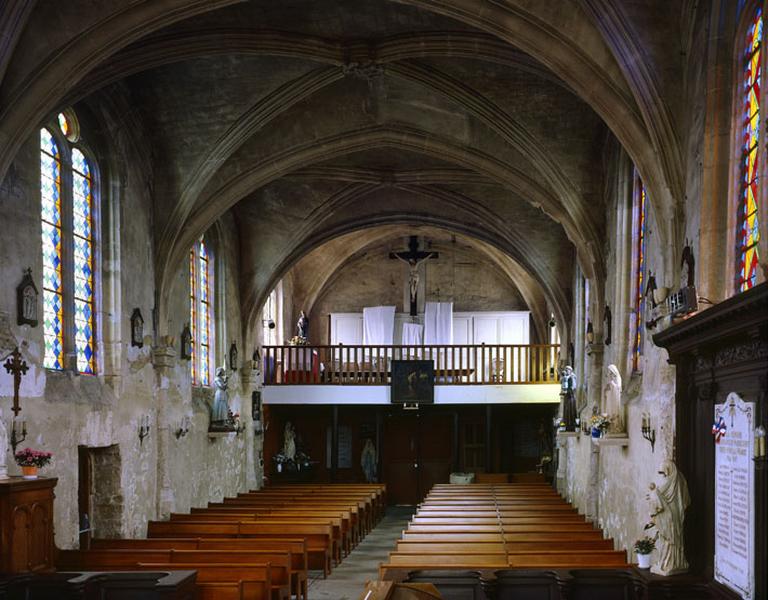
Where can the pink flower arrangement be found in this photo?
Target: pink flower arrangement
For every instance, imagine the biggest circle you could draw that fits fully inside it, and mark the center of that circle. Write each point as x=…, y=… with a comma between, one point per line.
x=32, y=458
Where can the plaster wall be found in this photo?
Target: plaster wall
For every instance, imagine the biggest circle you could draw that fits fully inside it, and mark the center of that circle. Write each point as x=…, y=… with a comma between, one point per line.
x=133, y=480
x=609, y=484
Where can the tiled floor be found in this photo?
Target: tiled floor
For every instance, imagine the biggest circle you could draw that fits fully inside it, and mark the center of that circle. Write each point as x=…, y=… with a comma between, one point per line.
x=347, y=581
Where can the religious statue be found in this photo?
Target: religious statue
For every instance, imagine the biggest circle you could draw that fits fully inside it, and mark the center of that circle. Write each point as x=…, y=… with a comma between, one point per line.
x=220, y=409
x=612, y=405
x=568, y=397
x=289, y=442
x=3, y=447
x=669, y=501
x=302, y=326
x=368, y=461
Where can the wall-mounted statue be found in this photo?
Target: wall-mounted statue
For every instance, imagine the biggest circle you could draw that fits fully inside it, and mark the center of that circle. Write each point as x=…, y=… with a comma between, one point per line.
x=568, y=397
x=302, y=326
x=368, y=461
x=612, y=405
x=669, y=500
x=220, y=408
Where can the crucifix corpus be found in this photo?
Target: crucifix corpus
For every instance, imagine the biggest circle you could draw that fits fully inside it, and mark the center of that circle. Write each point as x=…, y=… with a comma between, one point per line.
x=16, y=366
x=413, y=258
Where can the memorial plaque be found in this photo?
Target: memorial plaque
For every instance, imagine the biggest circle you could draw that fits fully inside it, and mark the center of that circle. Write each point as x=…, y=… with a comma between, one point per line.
x=735, y=497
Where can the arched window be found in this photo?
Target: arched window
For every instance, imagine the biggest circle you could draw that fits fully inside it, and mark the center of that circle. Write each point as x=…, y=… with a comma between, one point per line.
x=67, y=208
x=201, y=313
x=747, y=223
x=638, y=262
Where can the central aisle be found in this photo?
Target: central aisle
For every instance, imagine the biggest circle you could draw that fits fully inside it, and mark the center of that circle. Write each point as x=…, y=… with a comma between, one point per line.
x=347, y=581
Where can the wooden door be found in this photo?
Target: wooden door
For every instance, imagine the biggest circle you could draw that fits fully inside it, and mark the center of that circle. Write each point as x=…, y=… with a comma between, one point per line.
x=416, y=453
x=400, y=456
x=84, y=494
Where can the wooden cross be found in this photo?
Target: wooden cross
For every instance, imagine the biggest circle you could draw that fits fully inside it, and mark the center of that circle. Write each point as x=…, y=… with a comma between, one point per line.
x=414, y=257
x=16, y=366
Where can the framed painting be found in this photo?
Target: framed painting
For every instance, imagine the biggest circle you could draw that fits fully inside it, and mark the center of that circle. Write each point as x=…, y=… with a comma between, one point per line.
x=413, y=382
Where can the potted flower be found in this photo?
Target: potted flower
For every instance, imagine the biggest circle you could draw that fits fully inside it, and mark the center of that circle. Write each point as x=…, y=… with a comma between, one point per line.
x=643, y=548
x=599, y=425
x=31, y=460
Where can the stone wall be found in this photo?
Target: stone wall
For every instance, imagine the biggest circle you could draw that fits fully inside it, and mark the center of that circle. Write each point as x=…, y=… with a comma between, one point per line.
x=133, y=480
x=371, y=278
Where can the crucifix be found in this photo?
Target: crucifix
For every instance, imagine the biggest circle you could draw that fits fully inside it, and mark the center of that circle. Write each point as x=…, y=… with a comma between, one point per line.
x=16, y=366
x=413, y=258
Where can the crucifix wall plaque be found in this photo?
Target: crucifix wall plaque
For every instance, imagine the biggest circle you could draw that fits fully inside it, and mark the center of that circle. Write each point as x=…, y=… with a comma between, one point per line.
x=413, y=258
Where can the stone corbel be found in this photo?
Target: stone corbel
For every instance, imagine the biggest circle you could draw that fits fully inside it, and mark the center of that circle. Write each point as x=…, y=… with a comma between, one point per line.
x=164, y=357
x=596, y=349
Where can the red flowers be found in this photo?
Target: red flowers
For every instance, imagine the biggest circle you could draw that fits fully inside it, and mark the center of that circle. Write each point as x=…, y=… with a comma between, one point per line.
x=32, y=458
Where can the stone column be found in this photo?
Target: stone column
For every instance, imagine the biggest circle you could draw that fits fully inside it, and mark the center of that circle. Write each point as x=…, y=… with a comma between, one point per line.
x=250, y=381
x=163, y=360
x=594, y=388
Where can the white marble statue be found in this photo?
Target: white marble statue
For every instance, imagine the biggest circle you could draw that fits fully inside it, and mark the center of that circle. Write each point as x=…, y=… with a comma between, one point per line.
x=3, y=447
x=612, y=405
x=220, y=409
x=669, y=501
x=289, y=442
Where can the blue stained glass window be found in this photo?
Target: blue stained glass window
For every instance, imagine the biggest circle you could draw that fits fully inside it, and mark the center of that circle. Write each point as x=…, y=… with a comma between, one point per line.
x=82, y=203
x=50, y=216
x=68, y=287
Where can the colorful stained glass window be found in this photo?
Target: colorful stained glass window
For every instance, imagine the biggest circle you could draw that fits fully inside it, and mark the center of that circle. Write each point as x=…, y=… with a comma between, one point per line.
x=640, y=237
x=82, y=209
x=201, y=313
x=205, y=316
x=193, y=314
x=748, y=234
x=50, y=216
x=64, y=125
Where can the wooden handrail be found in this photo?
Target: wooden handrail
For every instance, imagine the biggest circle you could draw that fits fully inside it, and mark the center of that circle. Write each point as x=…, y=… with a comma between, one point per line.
x=455, y=364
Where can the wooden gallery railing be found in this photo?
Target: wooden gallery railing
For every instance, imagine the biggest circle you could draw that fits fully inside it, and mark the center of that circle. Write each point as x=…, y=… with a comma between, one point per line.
x=370, y=365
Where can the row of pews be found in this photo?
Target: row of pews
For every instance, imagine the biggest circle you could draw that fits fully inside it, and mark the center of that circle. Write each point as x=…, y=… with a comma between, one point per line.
x=487, y=528
x=257, y=546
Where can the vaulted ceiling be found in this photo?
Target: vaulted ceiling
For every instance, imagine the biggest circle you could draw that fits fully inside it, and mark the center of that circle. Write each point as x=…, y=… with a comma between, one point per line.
x=314, y=120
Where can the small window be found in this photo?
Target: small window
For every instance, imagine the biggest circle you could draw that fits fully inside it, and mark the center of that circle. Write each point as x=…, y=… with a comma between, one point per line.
x=201, y=313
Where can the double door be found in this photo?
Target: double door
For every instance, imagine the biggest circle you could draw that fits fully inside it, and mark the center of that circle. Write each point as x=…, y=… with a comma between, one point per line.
x=416, y=453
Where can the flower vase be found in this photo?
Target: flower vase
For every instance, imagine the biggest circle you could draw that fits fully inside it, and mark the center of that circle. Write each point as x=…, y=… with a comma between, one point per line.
x=596, y=433
x=29, y=472
x=644, y=561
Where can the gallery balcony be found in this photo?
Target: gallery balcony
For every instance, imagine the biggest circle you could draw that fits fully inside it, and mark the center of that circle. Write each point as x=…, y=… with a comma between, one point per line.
x=499, y=373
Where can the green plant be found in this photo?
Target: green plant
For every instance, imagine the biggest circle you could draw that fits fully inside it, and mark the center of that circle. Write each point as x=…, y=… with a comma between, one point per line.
x=645, y=545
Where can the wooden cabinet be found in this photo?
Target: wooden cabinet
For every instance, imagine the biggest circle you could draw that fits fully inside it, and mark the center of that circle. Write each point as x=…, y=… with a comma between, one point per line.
x=26, y=524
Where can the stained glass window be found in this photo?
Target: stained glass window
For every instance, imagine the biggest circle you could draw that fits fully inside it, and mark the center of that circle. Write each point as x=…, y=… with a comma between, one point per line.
x=748, y=234
x=68, y=243
x=639, y=304
x=201, y=313
x=50, y=215
x=82, y=209
x=193, y=313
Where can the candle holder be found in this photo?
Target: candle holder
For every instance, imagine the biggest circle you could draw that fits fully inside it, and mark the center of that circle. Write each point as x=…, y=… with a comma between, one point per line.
x=18, y=436
x=184, y=427
x=143, y=428
x=648, y=432
x=760, y=457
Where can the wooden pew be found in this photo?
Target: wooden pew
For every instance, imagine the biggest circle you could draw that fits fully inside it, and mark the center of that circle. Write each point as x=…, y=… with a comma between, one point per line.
x=120, y=559
x=296, y=547
x=252, y=580
x=319, y=537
